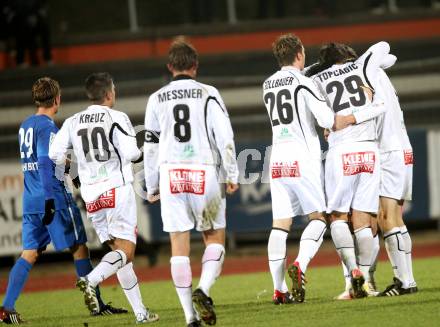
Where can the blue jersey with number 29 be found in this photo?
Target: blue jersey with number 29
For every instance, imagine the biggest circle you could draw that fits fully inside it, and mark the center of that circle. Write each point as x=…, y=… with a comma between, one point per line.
x=34, y=137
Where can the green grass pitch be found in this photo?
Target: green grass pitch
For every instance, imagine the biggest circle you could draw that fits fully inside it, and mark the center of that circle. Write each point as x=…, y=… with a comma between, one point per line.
x=245, y=300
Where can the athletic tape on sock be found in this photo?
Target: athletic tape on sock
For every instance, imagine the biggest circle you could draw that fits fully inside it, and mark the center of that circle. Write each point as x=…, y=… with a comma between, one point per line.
x=116, y=257
x=276, y=247
x=181, y=271
x=213, y=252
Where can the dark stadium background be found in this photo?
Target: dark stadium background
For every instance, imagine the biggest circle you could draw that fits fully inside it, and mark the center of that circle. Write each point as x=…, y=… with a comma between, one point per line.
x=129, y=39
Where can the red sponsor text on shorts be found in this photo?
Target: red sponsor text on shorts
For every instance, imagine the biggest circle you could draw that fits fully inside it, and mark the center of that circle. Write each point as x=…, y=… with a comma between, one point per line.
x=408, y=156
x=187, y=181
x=280, y=170
x=358, y=162
x=106, y=200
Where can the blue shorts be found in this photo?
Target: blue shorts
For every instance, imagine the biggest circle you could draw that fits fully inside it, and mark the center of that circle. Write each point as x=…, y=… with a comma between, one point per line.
x=66, y=230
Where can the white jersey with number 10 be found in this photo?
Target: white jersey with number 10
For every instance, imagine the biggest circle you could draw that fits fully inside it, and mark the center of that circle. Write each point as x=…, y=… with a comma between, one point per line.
x=104, y=145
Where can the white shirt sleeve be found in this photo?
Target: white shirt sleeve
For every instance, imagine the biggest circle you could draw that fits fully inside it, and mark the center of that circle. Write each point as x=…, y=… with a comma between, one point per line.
x=220, y=126
x=388, y=61
x=124, y=138
x=376, y=108
x=372, y=60
x=318, y=106
x=60, y=144
x=151, y=148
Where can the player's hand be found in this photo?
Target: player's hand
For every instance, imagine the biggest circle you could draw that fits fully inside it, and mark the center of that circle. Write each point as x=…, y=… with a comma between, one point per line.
x=76, y=182
x=153, y=197
x=342, y=122
x=368, y=92
x=49, y=211
x=326, y=134
x=231, y=188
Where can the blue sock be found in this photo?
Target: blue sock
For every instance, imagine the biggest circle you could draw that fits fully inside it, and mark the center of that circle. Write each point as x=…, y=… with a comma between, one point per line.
x=17, y=278
x=83, y=268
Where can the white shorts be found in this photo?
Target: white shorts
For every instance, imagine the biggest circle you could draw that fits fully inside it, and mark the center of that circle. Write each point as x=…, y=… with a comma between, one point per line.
x=396, y=174
x=352, y=177
x=191, y=197
x=296, y=188
x=113, y=214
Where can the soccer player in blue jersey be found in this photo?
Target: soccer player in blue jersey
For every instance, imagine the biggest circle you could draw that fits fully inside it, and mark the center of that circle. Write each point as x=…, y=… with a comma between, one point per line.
x=49, y=212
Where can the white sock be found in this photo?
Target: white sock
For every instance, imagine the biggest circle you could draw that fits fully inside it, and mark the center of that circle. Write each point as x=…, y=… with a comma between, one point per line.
x=408, y=249
x=276, y=249
x=347, y=277
x=311, y=240
x=129, y=283
x=375, y=254
x=109, y=265
x=396, y=252
x=182, y=278
x=364, y=244
x=344, y=243
x=212, y=262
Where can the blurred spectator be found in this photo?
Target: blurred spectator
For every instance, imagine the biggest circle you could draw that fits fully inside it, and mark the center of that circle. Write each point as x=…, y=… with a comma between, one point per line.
x=31, y=26
x=380, y=7
x=434, y=4
x=325, y=8
x=263, y=8
x=6, y=29
x=201, y=11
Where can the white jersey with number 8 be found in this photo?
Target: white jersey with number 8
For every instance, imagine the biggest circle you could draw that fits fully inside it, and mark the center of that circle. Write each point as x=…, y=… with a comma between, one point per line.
x=187, y=122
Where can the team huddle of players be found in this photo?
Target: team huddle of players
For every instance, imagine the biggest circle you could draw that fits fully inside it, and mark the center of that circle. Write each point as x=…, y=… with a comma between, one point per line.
x=369, y=161
x=190, y=165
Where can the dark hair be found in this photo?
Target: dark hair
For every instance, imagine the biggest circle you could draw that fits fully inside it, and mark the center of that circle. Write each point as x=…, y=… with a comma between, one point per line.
x=44, y=92
x=330, y=54
x=97, y=86
x=286, y=48
x=182, y=55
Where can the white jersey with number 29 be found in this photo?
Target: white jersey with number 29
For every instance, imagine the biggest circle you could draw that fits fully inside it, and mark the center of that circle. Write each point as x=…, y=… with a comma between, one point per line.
x=341, y=85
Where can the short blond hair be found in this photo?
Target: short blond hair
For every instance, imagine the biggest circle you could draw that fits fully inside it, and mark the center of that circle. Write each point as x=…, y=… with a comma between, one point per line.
x=182, y=55
x=44, y=92
x=285, y=48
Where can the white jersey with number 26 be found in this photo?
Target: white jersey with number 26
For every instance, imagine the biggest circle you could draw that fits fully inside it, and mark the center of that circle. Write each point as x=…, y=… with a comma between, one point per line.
x=293, y=102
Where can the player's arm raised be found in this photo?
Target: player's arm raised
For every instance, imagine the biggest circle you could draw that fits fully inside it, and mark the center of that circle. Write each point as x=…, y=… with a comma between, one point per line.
x=372, y=61
x=151, y=152
x=220, y=125
x=388, y=61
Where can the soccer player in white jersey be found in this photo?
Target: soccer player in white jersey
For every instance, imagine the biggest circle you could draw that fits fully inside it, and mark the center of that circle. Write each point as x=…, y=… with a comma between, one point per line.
x=352, y=173
x=293, y=103
x=104, y=145
x=395, y=185
x=189, y=157
x=395, y=188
